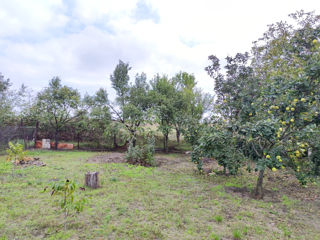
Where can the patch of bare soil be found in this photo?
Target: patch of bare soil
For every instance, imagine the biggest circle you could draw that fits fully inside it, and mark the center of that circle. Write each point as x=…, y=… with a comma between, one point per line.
x=110, y=157
x=181, y=162
x=210, y=164
x=269, y=196
x=288, y=184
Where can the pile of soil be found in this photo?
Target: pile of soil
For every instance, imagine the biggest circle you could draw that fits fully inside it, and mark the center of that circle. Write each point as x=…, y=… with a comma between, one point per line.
x=29, y=161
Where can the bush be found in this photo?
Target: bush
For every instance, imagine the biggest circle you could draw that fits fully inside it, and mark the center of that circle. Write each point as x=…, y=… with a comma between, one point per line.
x=142, y=155
x=65, y=189
x=219, y=143
x=15, y=152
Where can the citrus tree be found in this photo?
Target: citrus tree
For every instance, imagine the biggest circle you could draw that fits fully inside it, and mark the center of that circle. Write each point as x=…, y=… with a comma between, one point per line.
x=271, y=101
x=287, y=63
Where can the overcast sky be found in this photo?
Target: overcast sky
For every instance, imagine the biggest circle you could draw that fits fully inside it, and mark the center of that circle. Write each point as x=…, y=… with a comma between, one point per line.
x=81, y=41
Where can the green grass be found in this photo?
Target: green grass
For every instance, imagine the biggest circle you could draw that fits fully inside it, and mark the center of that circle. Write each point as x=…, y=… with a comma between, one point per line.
x=133, y=202
x=218, y=218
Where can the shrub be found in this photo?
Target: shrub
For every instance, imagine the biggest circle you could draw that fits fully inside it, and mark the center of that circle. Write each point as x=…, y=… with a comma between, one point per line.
x=142, y=155
x=65, y=189
x=15, y=152
x=219, y=143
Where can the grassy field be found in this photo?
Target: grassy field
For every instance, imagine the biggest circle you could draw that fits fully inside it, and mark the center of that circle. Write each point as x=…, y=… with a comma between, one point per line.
x=168, y=202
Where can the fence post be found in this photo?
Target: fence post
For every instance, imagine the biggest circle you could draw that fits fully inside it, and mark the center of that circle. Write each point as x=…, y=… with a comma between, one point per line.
x=23, y=133
x=36, y=132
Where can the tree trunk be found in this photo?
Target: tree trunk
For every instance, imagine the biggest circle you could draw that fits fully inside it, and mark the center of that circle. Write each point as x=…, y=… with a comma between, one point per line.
x=133, y=138
x=178, y=135
x=35, y=133
x=78, y=138
x=23, y=132
x=165, y=143
x=259, y=190
x=115, y=145
x=56, y=139
x=92, y=179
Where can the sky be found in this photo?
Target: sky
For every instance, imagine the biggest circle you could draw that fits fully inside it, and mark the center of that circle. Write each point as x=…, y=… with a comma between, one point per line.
x=81, y=41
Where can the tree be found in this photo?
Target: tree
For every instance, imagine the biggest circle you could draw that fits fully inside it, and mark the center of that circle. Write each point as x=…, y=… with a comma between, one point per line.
x=190, y=104
x=132, y=102
x=287, y=60
x=164, y=96
x=218, y=142
x=57, y=105
x=184, y=84
x=98, y=117
x=273, y=103
x=6, y=101
x=236, y=89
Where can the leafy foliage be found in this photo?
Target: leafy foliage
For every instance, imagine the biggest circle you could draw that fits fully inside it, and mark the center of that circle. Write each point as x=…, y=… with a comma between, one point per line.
x=66, y=189
x=6, y=110
x=164, y=94
x=218, y=143
x=16, y=152
x=133, y=101
x=271, y=102
x=57, y=106
x=142, y=155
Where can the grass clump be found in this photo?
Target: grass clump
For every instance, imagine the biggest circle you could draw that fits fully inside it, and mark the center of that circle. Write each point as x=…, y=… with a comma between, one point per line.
x=218, y=219
x=237, y=235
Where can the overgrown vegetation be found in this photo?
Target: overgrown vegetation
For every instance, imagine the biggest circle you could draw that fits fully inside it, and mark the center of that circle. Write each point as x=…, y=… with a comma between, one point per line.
x=264, y=121
x=142, y=155
x=135, y=202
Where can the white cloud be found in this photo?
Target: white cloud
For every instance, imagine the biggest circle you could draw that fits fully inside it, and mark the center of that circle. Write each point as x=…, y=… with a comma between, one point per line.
x=82, y=41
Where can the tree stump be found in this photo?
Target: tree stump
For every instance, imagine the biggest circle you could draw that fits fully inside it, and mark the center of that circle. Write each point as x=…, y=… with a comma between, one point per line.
x=92, y=180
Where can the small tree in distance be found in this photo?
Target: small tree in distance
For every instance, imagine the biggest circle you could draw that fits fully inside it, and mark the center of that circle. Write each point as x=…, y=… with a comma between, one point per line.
x=57, y=106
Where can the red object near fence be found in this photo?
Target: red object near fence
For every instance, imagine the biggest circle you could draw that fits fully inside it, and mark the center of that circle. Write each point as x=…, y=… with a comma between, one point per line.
x=38, y=144
x=62, y=146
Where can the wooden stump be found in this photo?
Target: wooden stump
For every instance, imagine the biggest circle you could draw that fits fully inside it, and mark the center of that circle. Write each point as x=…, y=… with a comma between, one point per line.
x=92, y=180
